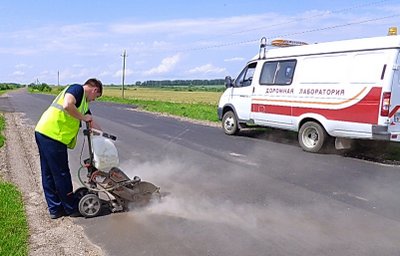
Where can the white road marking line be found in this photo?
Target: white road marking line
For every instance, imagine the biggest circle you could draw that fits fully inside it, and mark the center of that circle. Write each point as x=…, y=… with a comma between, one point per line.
x=351, y=195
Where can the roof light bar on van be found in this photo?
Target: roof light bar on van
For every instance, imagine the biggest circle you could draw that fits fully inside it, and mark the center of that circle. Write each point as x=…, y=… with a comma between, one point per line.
x=392, y=31
x=286, y=43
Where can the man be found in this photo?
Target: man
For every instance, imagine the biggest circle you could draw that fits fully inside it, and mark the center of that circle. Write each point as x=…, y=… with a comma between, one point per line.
x=56, y=131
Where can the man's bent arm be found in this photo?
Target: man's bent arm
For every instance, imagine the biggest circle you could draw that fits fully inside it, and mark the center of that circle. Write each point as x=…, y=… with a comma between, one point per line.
x=71, y=109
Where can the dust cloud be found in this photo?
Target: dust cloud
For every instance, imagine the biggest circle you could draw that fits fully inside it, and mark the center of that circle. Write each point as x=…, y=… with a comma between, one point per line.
x=326, y=226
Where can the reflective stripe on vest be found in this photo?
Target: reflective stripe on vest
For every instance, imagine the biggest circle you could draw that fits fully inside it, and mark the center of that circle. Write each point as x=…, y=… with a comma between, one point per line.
x=57, y=124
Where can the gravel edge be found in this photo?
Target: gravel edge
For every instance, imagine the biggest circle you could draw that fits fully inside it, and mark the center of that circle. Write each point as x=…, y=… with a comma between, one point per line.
x=20, y=164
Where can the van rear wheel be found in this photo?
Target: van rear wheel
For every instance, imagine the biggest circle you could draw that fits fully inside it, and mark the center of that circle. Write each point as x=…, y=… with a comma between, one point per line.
x=230, y=123
x=312, y=137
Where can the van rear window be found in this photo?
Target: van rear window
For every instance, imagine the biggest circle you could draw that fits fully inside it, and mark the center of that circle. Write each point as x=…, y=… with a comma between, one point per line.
x=277, y=72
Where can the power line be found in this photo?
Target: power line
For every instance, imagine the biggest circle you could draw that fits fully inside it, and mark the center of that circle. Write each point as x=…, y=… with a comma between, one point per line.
x=339, y=26
x=313, y=16
x=358, y=6
x=292, y=34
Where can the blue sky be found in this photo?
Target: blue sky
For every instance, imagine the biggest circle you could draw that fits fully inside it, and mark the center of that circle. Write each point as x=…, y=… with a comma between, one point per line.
x=171, y=39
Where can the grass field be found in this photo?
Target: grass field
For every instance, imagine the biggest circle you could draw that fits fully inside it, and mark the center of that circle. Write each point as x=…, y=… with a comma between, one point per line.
x=196, y=111
x=154, y=94
x=13, y=224
x=197, y=105
x=189, y=102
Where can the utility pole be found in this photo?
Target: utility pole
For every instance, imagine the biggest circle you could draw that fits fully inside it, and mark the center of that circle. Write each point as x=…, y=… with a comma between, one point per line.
x=58, y=78
x=124, y=55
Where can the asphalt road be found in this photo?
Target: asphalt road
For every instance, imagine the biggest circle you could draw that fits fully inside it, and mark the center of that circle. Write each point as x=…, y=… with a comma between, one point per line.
x=237, y=195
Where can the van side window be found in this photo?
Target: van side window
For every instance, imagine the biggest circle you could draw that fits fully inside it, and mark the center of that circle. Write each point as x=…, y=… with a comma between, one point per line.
x=277, y=72
x=246, y=76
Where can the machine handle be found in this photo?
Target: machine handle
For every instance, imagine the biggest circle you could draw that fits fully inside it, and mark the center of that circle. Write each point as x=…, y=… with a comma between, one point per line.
x=86, y=131
x=98, y=132
x=109, y=136
x=88, y=125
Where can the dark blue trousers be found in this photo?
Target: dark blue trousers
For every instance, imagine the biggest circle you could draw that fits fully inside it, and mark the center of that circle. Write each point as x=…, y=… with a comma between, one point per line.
x=56, y=176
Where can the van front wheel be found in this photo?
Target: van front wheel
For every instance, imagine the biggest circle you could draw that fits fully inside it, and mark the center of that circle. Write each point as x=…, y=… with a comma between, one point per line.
x=230, y=123
x=312, y=137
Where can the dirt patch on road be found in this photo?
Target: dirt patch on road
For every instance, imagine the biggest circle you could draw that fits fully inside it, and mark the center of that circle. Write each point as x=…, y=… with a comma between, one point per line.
x=20, y=164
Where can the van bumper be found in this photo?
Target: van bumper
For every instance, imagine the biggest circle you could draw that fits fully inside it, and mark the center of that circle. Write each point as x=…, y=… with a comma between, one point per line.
x=380, y=132
x=219, y=111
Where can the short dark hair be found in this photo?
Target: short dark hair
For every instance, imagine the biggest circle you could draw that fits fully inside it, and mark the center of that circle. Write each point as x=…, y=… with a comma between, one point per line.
x=93, y=82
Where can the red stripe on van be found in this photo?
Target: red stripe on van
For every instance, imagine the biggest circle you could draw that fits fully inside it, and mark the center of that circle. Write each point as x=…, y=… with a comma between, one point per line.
x=364, y=111
x=394, y=111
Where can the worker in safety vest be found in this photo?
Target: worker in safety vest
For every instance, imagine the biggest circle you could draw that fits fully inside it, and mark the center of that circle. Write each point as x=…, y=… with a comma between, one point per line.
x=57, y=131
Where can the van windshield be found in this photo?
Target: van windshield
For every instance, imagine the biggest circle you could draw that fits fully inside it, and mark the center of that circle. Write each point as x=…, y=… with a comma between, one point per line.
x=246, y=76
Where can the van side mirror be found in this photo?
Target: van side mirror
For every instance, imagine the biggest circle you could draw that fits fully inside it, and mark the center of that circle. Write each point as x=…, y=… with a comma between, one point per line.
x=228, y=82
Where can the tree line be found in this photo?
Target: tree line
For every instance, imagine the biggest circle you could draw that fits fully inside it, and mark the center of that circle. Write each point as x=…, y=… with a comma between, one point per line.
x=195, y=82
x=149, y=83
x=9, y=86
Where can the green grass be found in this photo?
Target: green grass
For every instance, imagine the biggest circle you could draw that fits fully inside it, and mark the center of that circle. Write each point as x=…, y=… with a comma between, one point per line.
x=198, y=105
x=198, y=111
x=166, y=95
x=14, y=230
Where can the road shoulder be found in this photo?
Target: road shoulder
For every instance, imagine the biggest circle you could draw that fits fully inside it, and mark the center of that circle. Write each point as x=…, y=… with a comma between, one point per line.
x=20, y=164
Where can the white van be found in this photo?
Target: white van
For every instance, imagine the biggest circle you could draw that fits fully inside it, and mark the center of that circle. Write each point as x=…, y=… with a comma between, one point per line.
x=345, y=89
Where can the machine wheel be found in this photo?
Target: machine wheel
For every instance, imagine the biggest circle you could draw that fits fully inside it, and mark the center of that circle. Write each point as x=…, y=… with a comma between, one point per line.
x=230, y=123
x=81, y=192
x=312, y=136
x=89, y=205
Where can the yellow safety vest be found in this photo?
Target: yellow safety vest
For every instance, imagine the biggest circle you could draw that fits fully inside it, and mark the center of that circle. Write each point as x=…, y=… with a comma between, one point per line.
x=57, y=124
